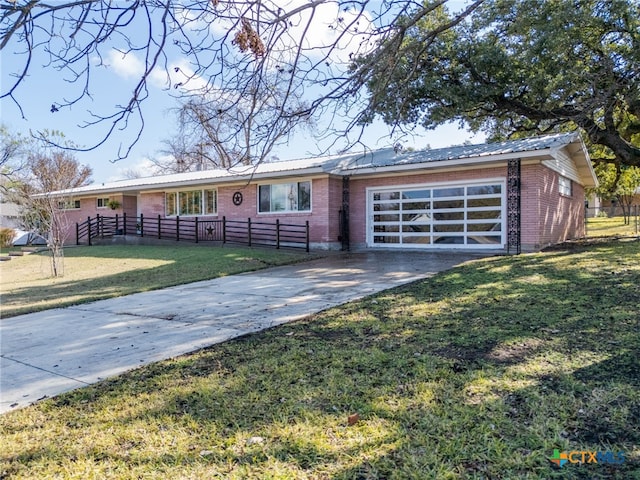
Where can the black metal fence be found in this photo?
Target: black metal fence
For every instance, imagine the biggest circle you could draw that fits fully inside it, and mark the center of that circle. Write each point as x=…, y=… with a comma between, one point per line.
x=193, y=229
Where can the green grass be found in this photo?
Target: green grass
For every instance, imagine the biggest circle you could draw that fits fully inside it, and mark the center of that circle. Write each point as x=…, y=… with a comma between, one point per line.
x=479, y=372
x=614, y=226
x=99, y=272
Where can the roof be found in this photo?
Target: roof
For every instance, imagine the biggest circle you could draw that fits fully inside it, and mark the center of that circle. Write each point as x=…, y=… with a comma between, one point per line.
x=388, y=159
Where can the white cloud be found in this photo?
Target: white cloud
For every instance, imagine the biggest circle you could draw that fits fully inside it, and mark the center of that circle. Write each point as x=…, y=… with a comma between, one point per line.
x=125, y=65
x=183, y=75
x=327, y=31
x=130, y=67
x=142, y=167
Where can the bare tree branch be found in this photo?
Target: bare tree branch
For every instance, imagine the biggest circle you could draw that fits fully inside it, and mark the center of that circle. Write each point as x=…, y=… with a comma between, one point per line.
x=216, y=50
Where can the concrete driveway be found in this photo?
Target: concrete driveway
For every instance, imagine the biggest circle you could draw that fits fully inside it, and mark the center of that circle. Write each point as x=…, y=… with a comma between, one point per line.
x=47, y=353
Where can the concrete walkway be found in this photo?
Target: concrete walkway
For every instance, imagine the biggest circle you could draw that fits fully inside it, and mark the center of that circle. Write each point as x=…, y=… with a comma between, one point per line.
x=47, y=353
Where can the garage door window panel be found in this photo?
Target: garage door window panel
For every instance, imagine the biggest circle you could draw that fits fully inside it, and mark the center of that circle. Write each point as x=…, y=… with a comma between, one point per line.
x=484, y=227
x=416, y=228
x=416, y=240
x=476, y=202
x=448, y=192
x=484, y=215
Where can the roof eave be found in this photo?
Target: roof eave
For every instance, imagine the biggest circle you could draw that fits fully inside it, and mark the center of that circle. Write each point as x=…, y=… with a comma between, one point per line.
x=452, y=162
x=244, y=177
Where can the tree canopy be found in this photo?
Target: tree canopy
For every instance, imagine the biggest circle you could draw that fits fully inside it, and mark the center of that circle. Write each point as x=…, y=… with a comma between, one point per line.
x=519, y=67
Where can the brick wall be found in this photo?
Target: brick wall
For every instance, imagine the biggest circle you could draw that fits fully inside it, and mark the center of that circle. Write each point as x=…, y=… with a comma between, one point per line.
x=89, y=208
x=548, y=216
x=151, y=204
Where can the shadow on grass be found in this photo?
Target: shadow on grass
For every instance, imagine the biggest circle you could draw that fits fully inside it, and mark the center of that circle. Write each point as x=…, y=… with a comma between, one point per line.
x=184, y=265
x=479, y=372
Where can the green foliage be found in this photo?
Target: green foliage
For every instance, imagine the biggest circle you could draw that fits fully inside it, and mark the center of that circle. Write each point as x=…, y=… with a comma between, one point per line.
x=7, y=235
x=607, y=178
x=629, y=182
x=13, y=150
x=627, y=189
x=526, y=66
x=114, y=204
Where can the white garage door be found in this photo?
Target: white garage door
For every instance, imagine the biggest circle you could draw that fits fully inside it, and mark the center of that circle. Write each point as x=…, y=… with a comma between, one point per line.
x=437, y=216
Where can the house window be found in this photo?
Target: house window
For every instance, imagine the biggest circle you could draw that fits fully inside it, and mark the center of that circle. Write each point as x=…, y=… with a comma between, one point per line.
x=285, y=197
x=191, y=203
x=564, y=186
x=103, y=202
x=69, y=205
x=210, y=202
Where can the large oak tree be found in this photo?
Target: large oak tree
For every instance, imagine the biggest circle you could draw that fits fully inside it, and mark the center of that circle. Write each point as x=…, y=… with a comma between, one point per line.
x=519, y=67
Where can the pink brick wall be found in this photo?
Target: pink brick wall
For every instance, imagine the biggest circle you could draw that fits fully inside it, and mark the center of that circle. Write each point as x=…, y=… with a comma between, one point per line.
x=547, y=216
x=89, y=208
x=151, y=204
x=335, y=205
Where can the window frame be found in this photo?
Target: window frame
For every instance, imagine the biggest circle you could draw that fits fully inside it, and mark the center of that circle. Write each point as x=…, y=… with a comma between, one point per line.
x=105, y=202
x=285, y=184
x=73, y=204
x=565, y=186
x=175, y=200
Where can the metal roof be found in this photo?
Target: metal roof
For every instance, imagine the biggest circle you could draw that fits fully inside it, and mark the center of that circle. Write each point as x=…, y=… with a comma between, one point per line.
x=391, y=157
x=353, y=164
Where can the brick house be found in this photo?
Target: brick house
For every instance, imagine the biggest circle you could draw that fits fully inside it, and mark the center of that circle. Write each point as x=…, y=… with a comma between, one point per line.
x=528, y=193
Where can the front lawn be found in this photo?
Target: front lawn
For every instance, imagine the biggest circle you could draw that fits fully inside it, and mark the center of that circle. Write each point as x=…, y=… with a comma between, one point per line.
x=99, y=272
x=479, y=372
x=611, y=226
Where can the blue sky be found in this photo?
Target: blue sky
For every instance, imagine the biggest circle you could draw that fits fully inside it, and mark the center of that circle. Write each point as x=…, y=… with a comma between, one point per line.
x=111, y=84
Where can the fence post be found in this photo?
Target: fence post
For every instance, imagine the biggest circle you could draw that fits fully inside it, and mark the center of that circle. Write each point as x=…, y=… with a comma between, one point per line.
x=101, y=226
x=124, y=223
x=196, y=229
x=224, y=229
x=77, y=233
x=89, y=231
x=249, y=230
x=177, y=228
x=117, y=224
x=277, y=233
x=159, y=227
x=142, y=225
x=307, y=230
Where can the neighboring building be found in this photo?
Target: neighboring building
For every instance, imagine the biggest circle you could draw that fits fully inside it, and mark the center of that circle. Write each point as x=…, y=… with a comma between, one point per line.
x=9, y=215
x=489, y=196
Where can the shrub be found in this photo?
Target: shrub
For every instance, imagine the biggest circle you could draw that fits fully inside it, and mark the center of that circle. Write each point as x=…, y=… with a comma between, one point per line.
x=7, y=236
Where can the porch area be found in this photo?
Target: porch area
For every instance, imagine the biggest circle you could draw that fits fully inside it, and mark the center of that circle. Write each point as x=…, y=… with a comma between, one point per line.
x=196, y=230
